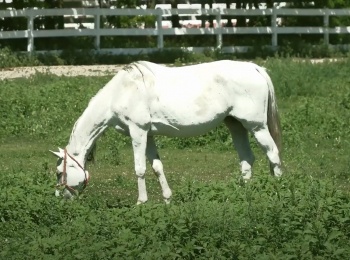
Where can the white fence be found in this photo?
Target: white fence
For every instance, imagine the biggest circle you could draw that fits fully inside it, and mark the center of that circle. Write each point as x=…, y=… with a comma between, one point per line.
x=274, y=30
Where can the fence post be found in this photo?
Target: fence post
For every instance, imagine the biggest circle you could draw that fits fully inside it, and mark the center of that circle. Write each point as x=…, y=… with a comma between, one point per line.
x=160, y=42
x=97, y=28
x=218, y=29
x=326, y=26
x=274, y=40
x=30, y=30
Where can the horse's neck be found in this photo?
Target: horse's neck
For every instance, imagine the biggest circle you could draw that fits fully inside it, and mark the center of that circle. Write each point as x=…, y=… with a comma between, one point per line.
x=89, y=126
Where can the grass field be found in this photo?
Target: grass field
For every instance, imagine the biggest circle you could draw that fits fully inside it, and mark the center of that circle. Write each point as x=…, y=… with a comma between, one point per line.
x=213, y=215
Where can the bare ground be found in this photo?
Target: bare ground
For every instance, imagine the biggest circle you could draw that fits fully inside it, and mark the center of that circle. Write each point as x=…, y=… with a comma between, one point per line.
x=91, y=70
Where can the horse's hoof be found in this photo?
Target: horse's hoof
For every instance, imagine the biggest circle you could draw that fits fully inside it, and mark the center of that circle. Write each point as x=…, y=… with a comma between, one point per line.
x=139, y=202
x=245, y=179
x=278, y=174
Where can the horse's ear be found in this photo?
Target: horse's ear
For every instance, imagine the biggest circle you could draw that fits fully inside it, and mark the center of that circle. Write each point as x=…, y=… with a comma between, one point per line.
x=58, y=154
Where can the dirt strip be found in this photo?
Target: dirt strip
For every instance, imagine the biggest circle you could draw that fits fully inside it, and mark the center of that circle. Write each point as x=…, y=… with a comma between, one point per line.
x=91, y=70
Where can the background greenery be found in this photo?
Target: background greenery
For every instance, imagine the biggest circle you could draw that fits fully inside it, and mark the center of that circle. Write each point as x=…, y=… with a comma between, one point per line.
x=294, y=43
x=213, y=215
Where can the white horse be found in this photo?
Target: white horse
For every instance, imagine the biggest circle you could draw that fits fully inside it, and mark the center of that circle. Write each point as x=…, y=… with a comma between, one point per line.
x=145, y=99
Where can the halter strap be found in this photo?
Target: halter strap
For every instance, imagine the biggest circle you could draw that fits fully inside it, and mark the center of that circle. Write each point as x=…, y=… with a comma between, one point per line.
x=63, y=182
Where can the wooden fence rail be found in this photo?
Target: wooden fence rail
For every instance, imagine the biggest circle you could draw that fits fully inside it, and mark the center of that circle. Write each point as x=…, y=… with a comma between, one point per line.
x=274, y=30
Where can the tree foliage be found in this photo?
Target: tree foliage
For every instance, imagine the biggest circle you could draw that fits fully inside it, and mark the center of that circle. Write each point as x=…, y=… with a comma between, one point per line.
x=57, y=22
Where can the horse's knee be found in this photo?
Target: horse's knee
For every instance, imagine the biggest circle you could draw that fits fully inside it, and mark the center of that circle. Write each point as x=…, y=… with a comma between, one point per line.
x=140, y=172
x=157, y=166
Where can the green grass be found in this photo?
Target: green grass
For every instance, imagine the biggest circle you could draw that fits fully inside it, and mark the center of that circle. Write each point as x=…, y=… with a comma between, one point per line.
x=213, y=215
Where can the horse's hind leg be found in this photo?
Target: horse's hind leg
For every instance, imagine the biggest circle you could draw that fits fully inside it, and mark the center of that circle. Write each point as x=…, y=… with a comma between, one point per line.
x=241, y=142
x=157, y=166
x=139, y=144
x=265, y=140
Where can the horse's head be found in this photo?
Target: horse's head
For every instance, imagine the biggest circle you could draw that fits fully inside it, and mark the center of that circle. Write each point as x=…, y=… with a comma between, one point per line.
x=72, y=178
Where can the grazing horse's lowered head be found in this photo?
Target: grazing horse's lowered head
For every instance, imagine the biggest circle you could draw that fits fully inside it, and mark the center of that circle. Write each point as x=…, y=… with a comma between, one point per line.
x=72, y=178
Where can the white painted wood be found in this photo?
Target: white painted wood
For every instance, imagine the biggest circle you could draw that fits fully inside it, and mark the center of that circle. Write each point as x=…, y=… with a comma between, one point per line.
x=159, y=32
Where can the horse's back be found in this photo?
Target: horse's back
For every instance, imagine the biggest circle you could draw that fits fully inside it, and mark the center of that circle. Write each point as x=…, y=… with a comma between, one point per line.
x=224, y=81
x=211, y=67
x=194, y=99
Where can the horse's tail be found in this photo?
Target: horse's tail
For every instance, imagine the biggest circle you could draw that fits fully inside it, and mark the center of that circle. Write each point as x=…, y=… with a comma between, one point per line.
x=273, y=119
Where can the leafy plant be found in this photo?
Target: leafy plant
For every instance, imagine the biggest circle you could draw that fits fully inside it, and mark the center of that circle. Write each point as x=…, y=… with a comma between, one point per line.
x=213, y=214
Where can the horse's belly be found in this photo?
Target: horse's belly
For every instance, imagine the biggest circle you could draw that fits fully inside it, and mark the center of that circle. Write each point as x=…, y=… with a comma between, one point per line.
x=184, y=128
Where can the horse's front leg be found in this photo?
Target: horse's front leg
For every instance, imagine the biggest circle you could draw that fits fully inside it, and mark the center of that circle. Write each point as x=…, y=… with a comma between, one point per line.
x=139, y=144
